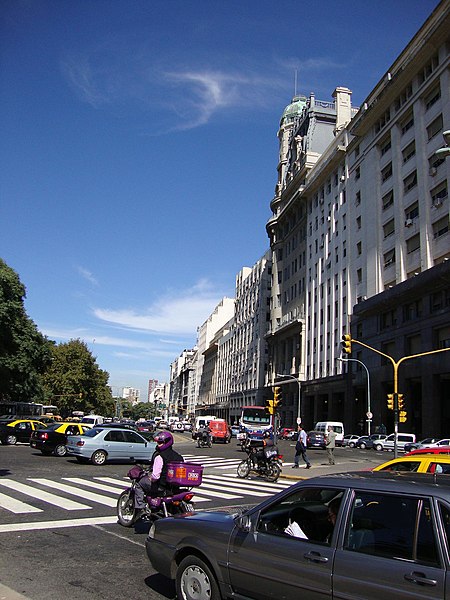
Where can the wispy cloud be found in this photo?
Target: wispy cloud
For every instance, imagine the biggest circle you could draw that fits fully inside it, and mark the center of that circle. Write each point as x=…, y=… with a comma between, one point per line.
x=179, y=314
x=87, y=275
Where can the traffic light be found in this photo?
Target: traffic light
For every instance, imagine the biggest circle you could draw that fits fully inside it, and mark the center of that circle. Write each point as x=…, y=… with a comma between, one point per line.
x=347, y=343
x=269, y=406
x=390, y=401
x=402, y=416
x=277, y=397
x=401, y=402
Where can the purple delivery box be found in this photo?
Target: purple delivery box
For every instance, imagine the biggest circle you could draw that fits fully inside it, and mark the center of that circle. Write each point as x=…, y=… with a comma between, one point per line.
x=184, y=474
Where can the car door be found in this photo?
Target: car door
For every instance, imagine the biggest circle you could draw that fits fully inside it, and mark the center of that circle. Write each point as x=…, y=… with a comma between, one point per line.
x=266, y=563
x=390, y=550
x=138, y=448
x=23, y=431
x=115, y=445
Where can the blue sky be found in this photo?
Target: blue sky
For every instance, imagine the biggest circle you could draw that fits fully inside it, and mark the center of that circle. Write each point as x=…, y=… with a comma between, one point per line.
x=138, y=152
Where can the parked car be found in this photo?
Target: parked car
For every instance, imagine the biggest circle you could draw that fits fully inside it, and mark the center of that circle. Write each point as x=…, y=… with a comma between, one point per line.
x=315, y=439
x=19, y=430
x=389, y=442
x=414, y=445
x=53, y=439
x=419, y=463
x=367, y=441
x=285, y=433
x=376, y=547
x=350, y=440
x=187, y=426
x=102, y=444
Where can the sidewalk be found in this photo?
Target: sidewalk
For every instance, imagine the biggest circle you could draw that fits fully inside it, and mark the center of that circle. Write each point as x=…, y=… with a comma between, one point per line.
x=321, y=467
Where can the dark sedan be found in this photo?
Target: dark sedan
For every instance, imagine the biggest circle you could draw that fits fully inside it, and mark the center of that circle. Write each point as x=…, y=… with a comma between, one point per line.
x=18, y=430
x=53, y=439
x=351, y=535
x=315, y=439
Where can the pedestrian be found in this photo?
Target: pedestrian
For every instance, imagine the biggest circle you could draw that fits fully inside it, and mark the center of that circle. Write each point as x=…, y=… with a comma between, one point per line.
x=300, y=448
x=331, y=444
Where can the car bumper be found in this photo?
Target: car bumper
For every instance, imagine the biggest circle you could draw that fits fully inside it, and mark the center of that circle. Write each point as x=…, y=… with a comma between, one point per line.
x=161, y=556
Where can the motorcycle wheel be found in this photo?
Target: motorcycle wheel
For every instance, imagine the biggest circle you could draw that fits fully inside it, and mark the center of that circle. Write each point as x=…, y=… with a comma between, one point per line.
x=209, y=443
x=273, y=472
x=126, y=513
x=243, y=469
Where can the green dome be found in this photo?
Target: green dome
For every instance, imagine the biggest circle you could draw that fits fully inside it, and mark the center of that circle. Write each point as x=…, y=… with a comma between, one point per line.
x=294, y=109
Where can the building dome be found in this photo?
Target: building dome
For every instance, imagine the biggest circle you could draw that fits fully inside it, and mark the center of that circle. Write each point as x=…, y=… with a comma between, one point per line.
x=293, y=110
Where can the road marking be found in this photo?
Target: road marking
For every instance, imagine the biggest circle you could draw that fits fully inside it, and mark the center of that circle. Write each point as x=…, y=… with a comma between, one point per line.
x=94, y=484
x=77, y=492
x=57, y=524
x=38, y=494
x=16, y=506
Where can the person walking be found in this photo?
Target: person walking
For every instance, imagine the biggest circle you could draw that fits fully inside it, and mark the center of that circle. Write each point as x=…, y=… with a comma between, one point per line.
x=331, y=445
x=300, y=448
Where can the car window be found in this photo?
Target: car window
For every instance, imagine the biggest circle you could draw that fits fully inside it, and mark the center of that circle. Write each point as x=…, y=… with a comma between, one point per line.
x=439, y=467
x=309, y=513
x=445, y=518
x=392, y=526
x=114, y=436
x=92, y=432
x=412, y=466
x=131, y=436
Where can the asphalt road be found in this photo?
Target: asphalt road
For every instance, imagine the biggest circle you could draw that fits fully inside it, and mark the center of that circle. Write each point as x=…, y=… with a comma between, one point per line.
x=80, y=552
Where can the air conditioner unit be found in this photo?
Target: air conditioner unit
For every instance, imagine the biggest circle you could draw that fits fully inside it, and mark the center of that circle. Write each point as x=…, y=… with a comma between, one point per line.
x=437, y=203
x=342, y=177
x=433, y=171
x=408, y=222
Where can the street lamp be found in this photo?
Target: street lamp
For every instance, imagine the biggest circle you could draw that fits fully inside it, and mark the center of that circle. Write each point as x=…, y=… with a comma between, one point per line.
x=299, y=414
x=368, y=414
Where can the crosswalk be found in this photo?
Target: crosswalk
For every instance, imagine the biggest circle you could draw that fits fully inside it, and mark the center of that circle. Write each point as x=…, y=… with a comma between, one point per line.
x=92, y=494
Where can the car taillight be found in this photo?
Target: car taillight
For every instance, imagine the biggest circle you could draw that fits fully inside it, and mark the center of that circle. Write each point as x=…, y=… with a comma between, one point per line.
x=80, y=443
x=44, y=436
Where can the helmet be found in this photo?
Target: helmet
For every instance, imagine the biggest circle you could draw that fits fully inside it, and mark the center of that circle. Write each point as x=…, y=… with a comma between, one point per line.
x=164, y=439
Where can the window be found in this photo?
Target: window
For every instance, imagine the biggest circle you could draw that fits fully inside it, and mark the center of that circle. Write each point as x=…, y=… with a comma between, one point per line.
x=392, y=526
x=412, y=212
x=439, y=194
x=443, y=338
x=434, y=127
x=385, y=145
x=114, y=436
x=357, y=173
x=410, y=182
x=386, y=172
x=434, y=162
x=432, y=97
x=358, y=198
x=413, y=243
x=409, y=151
x=359, y=248
x=412, y=311
x=387, y=200
x=358, y=222
x=389, y=228
x=407, y=123
x=389, y=258
x=440, y=227
x=359, y=275
x=429, y=68
x=385, y=118
x=403, y=98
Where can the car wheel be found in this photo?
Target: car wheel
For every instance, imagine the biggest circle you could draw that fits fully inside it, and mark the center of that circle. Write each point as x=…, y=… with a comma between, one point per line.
x=195, y=579
x=126, y=513
x=60, y=450
x=99, y=457
x=378, y=447
x=243, y=469
x=362, y=445
x=11, y=439
x=352, y=444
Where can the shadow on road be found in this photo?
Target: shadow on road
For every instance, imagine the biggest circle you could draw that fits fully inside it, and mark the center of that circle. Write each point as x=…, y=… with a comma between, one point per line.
x=161, y=585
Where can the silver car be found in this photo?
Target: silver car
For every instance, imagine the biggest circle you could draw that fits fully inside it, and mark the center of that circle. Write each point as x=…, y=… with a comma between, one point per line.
x=99, y=445
x=350, y=535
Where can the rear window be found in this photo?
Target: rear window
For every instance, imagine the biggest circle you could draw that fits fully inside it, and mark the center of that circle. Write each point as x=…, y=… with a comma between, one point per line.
x=92, y=432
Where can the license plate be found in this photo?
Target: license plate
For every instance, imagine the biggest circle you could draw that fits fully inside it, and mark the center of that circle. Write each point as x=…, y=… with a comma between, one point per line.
x=189, y=507
x=270, y=453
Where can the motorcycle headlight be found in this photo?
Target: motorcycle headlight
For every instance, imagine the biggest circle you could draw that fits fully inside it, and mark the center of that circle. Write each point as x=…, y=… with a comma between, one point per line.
x=151, y=533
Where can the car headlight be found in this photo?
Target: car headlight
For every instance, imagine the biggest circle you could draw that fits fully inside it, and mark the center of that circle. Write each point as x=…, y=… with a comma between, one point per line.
x=151, y=533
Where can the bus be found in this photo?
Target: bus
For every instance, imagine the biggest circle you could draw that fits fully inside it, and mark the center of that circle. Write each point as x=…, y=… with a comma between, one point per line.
x=20, y=410
x=254, y=421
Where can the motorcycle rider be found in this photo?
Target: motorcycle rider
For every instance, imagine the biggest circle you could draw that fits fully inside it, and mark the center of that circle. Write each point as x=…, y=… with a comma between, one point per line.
x=204, y=433
x=155, y=483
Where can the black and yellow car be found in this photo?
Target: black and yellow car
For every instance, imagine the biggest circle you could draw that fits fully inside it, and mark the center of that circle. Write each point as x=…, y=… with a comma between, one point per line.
x=18, y=430
x=53, y=439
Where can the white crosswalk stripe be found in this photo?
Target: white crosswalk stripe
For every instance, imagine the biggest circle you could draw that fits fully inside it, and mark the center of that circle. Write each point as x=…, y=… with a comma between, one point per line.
x=104, y=491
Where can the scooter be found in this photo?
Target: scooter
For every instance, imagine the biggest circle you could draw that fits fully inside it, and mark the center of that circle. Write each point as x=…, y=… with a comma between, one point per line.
x=173, y=501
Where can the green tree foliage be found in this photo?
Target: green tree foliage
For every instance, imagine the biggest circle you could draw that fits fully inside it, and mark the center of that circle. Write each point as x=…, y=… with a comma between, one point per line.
x=74, y=381
x=24, y=351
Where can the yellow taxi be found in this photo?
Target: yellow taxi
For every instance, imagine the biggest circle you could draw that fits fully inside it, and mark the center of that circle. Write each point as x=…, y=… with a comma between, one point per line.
x=18, y=430
x=53, y=439
x=419, y=463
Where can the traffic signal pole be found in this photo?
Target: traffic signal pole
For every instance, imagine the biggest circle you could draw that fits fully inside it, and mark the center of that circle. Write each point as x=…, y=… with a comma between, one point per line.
x=396, y=364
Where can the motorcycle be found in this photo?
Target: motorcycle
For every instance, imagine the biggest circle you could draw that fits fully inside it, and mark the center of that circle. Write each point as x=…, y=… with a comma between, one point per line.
x=204, y=440
x=264, y=461
x=173, y=501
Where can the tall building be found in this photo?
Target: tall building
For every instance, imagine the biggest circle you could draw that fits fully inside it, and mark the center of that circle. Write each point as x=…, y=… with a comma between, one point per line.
x=152, y=385
x=360, y=243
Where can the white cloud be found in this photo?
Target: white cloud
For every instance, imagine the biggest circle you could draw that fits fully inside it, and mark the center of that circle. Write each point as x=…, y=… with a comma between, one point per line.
x=87, y=275
x=178, y=314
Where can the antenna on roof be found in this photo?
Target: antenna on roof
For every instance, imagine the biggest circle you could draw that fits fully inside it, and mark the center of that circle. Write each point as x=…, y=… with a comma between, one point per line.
x=295, y=82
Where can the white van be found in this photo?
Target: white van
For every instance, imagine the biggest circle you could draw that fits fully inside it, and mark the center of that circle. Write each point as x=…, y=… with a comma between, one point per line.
x=92, y=420
x=338, y=428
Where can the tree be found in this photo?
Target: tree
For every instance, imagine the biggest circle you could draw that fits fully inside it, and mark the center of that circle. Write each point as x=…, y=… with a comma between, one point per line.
x=74, y=381
x=24, y=351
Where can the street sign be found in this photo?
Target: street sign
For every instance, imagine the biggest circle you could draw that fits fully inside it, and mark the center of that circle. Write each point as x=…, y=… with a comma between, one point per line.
x=299, y=420
x=369, y=415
